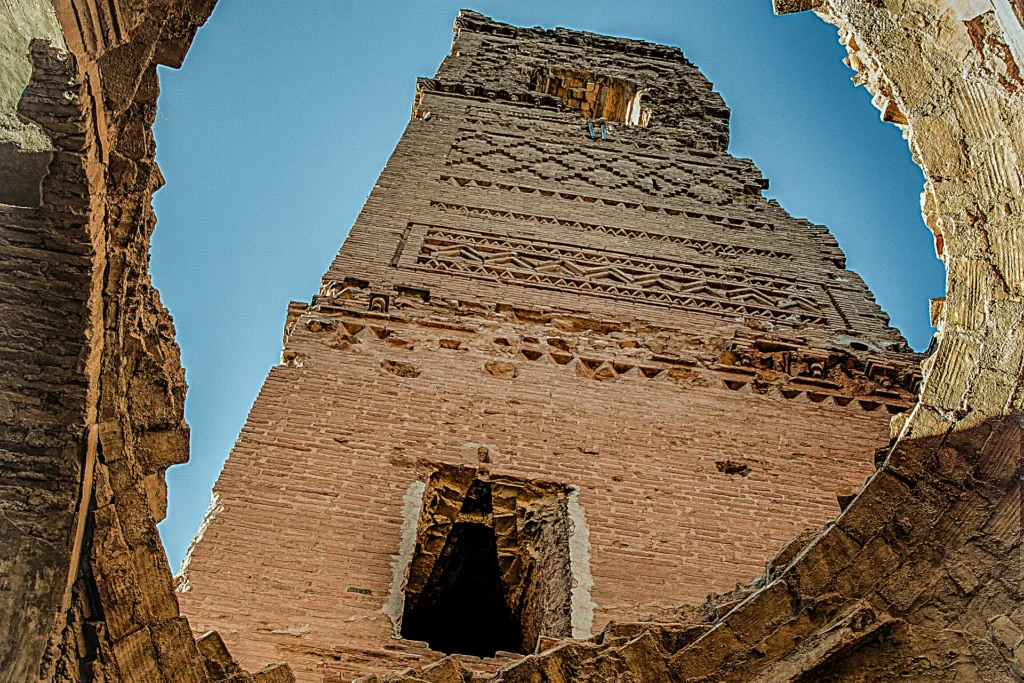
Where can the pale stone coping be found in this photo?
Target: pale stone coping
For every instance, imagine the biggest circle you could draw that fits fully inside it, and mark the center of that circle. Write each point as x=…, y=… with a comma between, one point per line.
x=1012, y=30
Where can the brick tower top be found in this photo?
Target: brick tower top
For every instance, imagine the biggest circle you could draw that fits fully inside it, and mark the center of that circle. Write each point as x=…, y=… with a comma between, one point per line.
x=592, y=173
x=600, y=75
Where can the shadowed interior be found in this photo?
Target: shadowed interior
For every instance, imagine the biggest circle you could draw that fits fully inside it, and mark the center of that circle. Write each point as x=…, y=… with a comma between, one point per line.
x=463, y=608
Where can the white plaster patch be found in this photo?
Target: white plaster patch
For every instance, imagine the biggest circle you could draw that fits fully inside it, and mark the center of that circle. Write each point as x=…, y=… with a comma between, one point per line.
x=475, y=453
x=1013, y=32
x=411, y=505
x=968, y=9
x=296, y=630
x=579, y=564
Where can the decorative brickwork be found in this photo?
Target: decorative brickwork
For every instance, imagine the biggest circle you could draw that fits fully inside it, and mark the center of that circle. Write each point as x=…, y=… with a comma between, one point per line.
x=920, y=577
x=576, y=286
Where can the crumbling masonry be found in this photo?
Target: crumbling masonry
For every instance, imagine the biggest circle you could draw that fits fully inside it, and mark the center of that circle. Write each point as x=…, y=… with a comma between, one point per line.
x=91, y=386
x=553, y=350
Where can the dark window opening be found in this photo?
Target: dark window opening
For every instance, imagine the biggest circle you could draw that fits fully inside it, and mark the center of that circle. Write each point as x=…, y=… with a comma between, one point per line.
x=491, y=570
x=478, y=499
x=463, y=608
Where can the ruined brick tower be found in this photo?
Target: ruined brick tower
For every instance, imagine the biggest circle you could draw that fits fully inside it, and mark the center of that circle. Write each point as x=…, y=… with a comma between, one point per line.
x=570, y=366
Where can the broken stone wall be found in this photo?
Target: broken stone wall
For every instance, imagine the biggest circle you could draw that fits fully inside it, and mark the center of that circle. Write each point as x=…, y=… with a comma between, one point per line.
x=92, y=388
x=45, y=394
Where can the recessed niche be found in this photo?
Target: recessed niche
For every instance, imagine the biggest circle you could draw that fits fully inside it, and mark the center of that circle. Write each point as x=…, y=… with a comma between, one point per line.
x=596, y=96
x=491, y=569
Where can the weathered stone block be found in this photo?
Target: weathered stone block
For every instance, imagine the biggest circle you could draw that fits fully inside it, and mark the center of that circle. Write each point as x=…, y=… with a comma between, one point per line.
x=706, y=653
x=275, y=673
x=218, y=661
x=793, y=6
x=176, y=652
x=873, y=508
x=763, y=612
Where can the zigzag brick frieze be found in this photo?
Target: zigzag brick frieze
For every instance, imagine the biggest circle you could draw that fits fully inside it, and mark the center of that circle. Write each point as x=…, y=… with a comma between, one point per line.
x=355, y=327
x=724, y=221
x=569, y=166
x=533, y=262
x=716, y=249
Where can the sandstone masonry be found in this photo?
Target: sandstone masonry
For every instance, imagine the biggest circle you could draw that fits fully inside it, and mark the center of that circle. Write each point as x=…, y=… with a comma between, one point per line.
x=91, y=386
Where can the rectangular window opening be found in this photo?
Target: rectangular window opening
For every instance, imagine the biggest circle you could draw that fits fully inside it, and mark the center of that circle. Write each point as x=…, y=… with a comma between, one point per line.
x=491, y=567
x=596, y=96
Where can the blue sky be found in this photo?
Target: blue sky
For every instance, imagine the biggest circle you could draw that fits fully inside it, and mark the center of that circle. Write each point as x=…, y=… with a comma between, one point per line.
x=274, y=131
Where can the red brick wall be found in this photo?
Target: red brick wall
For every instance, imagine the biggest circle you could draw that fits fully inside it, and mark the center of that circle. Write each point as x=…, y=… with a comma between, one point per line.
x=660, y=318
